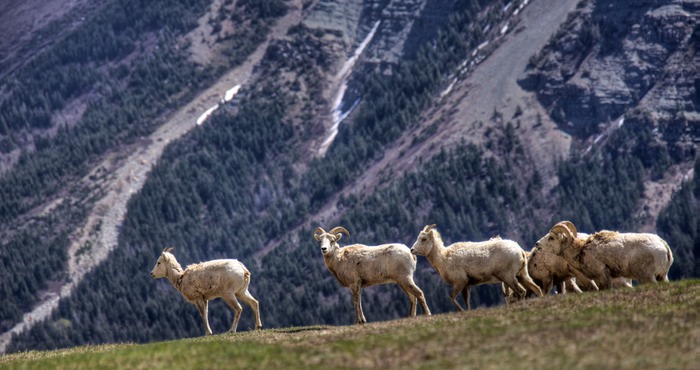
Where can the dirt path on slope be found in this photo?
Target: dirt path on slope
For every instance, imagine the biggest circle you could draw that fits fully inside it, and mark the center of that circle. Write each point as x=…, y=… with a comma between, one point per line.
x=467, y=108
x=127, y=172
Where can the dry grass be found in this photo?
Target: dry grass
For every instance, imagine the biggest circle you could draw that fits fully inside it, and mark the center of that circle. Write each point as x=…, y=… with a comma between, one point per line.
x=650, y=327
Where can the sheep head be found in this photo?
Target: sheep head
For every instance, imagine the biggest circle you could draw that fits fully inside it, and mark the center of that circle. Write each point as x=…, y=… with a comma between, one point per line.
x=161, y=268
x=561, y=236
x=425, y=241
x=329, y=240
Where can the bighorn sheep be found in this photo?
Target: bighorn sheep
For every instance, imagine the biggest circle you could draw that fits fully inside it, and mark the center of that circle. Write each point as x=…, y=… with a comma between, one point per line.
x=606, y=255
x=465, y=264
x=202, y=282
x=549, y=270
x=357, y=266
x=552, y=269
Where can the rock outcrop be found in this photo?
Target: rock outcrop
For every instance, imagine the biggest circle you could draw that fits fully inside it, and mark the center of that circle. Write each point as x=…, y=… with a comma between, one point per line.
x=614, y=56
x=405, y=24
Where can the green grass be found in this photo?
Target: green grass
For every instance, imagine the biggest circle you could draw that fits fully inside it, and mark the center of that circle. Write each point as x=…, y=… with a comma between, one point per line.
x=649, y=327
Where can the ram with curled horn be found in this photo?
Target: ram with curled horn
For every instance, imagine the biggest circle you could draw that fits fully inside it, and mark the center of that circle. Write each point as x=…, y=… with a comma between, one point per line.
x=608, y=255
x=358, y=266
x=563, y=230
x=549, y=270
x=337, y=231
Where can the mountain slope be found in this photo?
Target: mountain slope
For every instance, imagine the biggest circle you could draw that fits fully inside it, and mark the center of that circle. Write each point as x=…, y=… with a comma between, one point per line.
x=68, y=194
x=443, y=134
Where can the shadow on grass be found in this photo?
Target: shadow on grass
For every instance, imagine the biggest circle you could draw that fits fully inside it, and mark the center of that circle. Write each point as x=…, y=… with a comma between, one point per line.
x=301, y=329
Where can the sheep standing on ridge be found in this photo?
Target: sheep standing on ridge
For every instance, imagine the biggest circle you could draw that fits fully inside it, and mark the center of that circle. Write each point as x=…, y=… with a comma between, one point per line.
x=357, y=266
x=202, y=282
x=551, y=269
x=606, y=255
x=465, y=264
x=548, y=270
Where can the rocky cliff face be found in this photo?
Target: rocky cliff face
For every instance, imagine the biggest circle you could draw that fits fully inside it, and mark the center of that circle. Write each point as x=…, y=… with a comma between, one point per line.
x=404, y=24
x=616, y=56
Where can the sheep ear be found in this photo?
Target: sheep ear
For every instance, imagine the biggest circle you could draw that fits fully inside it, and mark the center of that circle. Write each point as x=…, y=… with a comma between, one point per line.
x=565, y=239
x=429, y=227
x=169, y=250
x=338, y=236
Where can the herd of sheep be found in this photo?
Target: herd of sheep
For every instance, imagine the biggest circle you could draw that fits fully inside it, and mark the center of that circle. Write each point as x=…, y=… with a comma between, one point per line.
x=564, y=257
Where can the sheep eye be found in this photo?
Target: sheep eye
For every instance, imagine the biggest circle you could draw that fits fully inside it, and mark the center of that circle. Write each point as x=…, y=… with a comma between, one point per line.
x=423, y=239
x=551, y=238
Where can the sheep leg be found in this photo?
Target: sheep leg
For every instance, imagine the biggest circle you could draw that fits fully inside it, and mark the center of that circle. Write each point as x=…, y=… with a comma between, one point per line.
x=508, y=295
x=646, y=279
x=589, y=284
x=412, y=289
x=232, y=302
x=547, y=285
x=604, y=281
x=504, y=290
x=411, y=299
x=248, y=299
x=465, y=294
x=561, y=286
x=512, y=283
x=423, y=303
x=530, y=285
x=357, y=303
x=571, y=283
x=203, y=307
x=456, y=289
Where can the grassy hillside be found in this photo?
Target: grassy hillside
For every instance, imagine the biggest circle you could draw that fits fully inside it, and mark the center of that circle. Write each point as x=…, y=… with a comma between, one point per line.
x=646, y=327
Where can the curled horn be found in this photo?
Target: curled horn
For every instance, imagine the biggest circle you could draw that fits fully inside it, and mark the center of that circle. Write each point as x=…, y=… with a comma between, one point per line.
x=562, y=228
x=339, y=229
x=166, y=249
x=571, y=227
x=429, y=227
x=318, y=232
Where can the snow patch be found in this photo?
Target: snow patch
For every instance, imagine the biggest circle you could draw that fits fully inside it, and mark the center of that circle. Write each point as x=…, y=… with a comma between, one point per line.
x=337, y=114
x=347, y=67
x=206, y=114
x=504, y=29
x=449, y=88
x=230, y=93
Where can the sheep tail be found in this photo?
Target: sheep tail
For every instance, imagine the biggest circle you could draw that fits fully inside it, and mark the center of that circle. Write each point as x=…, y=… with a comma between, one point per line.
x=669, y=256
x=246, y=277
